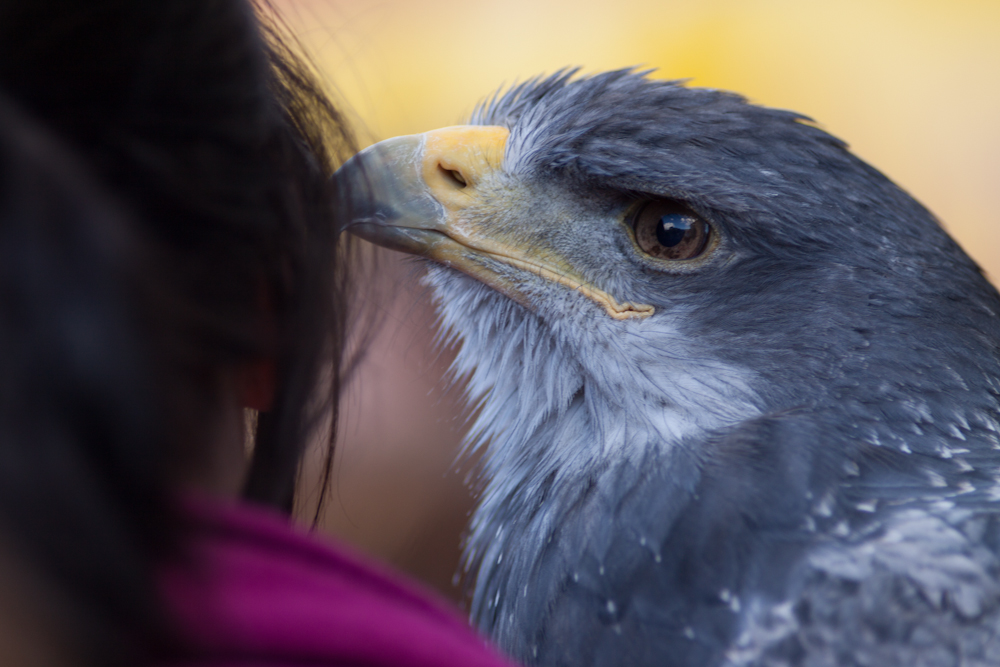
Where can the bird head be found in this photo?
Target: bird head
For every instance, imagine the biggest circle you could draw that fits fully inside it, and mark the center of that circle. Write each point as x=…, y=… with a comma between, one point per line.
x=671, y=259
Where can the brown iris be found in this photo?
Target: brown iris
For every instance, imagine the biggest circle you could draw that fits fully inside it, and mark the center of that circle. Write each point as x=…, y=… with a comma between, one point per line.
x=668, y=230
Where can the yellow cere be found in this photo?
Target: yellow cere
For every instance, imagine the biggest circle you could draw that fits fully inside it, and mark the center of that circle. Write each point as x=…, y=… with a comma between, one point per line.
x=472, y=151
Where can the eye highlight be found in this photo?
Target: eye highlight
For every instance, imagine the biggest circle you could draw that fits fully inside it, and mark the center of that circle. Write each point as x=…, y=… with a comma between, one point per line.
x=668, y=230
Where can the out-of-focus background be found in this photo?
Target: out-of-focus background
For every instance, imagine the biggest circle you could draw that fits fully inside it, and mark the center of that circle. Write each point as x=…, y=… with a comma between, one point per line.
x=912, y=85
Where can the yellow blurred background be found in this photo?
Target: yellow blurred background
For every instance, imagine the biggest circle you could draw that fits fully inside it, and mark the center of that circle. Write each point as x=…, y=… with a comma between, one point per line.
x=912, y=85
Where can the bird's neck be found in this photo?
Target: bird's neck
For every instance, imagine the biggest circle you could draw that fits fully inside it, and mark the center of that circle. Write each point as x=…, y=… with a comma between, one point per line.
x=555, y=417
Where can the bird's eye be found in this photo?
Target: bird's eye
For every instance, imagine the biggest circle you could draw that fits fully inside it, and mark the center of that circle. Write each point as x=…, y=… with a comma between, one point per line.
x=667, y=230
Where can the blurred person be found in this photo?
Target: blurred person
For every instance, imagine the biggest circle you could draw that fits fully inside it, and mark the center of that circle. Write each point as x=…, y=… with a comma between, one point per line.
x=167, y=260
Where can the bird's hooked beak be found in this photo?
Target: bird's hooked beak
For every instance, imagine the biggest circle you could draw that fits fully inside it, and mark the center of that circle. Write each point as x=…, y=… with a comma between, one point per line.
x=423, y=194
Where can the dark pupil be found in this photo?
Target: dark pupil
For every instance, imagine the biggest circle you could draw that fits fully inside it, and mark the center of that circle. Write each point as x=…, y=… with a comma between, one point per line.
x=672, y=229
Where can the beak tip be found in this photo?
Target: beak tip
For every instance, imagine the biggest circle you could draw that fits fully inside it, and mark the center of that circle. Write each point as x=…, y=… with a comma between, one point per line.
x=383, y=186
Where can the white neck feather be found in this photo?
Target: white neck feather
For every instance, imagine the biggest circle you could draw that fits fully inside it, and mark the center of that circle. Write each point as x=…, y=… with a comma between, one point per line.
x=567, y=393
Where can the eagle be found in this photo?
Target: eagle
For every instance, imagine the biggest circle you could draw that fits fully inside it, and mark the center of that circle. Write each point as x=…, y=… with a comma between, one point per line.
x=738, y=393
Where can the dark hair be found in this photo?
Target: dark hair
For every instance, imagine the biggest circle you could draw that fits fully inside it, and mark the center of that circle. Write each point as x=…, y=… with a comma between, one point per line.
x=199, y=128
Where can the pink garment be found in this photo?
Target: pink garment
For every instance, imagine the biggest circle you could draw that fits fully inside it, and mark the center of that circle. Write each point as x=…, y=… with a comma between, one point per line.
x=254, y=590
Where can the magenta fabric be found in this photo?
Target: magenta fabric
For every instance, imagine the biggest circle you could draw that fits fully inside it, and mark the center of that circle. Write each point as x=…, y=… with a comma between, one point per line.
x=251, y=589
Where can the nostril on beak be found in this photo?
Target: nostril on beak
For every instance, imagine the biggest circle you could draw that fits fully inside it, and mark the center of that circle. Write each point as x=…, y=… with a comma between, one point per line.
x=454, y=176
